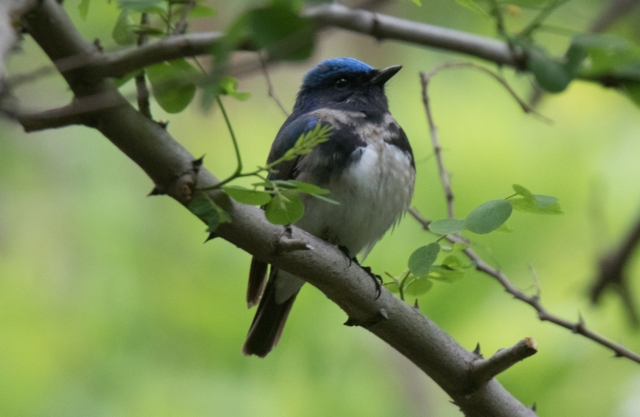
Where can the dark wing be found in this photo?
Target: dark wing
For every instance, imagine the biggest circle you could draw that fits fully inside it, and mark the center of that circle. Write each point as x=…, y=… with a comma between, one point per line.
x=287, y=170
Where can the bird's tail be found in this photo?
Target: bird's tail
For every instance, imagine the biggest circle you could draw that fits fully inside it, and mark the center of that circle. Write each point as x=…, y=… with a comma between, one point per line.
x=268, y=322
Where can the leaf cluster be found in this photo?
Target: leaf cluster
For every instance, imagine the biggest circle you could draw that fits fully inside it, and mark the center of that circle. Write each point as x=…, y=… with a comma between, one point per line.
x=487, y=217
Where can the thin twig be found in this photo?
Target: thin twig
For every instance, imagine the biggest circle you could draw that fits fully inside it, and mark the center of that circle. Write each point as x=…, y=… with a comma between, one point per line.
x=270, y=90
x=534, y=301
x=142, y=91
x=445, y=177
x=612, y=272
x=464, y=64
x=181, y=25
x=482, y=370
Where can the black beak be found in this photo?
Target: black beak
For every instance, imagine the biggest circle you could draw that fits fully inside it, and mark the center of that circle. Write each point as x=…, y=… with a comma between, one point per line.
x=383, y=75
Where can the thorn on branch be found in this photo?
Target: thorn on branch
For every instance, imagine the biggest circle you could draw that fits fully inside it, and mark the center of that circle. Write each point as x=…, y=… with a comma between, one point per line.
x=477, y=351
x=156, y=191
x=377, y=318
x=212, y=235
x=197, y=163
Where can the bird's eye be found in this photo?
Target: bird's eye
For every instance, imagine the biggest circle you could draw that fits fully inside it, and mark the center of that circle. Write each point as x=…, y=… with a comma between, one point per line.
x=341, y=83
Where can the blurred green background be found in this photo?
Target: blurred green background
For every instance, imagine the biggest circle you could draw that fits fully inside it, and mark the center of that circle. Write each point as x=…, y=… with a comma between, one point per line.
x=111, y=305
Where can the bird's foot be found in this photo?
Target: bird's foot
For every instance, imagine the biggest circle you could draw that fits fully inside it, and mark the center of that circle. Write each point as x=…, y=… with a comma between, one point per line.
x=377, y=280
x=347, y=253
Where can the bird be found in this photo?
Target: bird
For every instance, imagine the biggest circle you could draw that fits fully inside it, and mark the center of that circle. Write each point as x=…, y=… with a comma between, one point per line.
x=367, y=165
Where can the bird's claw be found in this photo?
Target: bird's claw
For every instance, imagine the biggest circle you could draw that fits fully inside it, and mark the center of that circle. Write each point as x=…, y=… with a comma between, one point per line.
x=377, y=280
x=347, y=253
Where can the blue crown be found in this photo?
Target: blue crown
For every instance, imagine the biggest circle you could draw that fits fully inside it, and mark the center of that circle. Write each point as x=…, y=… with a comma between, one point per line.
x=330, y=68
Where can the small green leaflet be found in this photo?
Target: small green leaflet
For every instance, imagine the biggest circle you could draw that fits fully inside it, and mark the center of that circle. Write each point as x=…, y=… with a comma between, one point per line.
x=247, y=196
x=550, y=74
x=284, y=208
x=83, y=9
x=418, y=286
x=534, y=203
x=122, y=32
x=172, y=84
x=201, y=11
x=473, y=6
x=446, y=226
x=207, y=211
x=488, y=217
x=422, y=259
x=229, y=87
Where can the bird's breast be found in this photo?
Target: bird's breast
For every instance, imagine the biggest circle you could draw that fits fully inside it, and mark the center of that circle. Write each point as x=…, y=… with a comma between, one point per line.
x=374, y=189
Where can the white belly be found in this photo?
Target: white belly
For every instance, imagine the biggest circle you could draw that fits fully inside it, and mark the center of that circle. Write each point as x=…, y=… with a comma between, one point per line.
x=373, y=193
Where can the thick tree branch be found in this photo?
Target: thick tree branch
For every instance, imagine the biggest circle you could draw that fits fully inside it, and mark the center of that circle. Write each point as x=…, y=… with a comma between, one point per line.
x=170, y=166
x=378, y=25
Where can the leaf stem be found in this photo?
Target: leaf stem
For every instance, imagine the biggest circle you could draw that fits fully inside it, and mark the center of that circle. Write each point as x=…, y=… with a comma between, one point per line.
x=238, y=170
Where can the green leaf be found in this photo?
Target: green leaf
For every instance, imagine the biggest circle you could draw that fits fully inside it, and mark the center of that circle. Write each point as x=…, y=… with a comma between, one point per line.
x=525, y=205
x=83, y=8
x=460, y=246
x=473, y=6
x=144, y=6
x=229, y=87
x=550, y=74
x=122, y=32
x=172, y=85
x=279, y=30
x=632, y=91
x=609, y=53
x=392, y=286
x=504, y=229
x=247, y=196
x=545, y=201
x=528, y=3
x=417, y=3
x=446, y=226
x=488, y=217
x=445, y=274
x=305, y=187
x=519, y=189
x=284, y=208
x=207, y=211
x=325, y=199
x=453, y=262
x=422, y=258
x=575, y=56
x=201, y=11
x=418, y=286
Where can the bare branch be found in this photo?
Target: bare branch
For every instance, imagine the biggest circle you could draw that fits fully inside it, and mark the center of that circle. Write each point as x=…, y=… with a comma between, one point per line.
x=613, y=266
x=141, y=84
x=382, y=26
x=483, y=370
x=181, y=25
x=613, y=11
x=534, y=301
x=270, y=90
x=445, y=177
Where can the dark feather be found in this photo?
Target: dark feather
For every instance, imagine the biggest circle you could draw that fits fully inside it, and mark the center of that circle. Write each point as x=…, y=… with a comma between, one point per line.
x=257, y=280
x=268, y=323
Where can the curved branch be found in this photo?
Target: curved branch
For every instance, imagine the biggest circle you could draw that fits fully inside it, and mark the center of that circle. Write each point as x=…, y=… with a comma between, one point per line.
x=170, y=166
